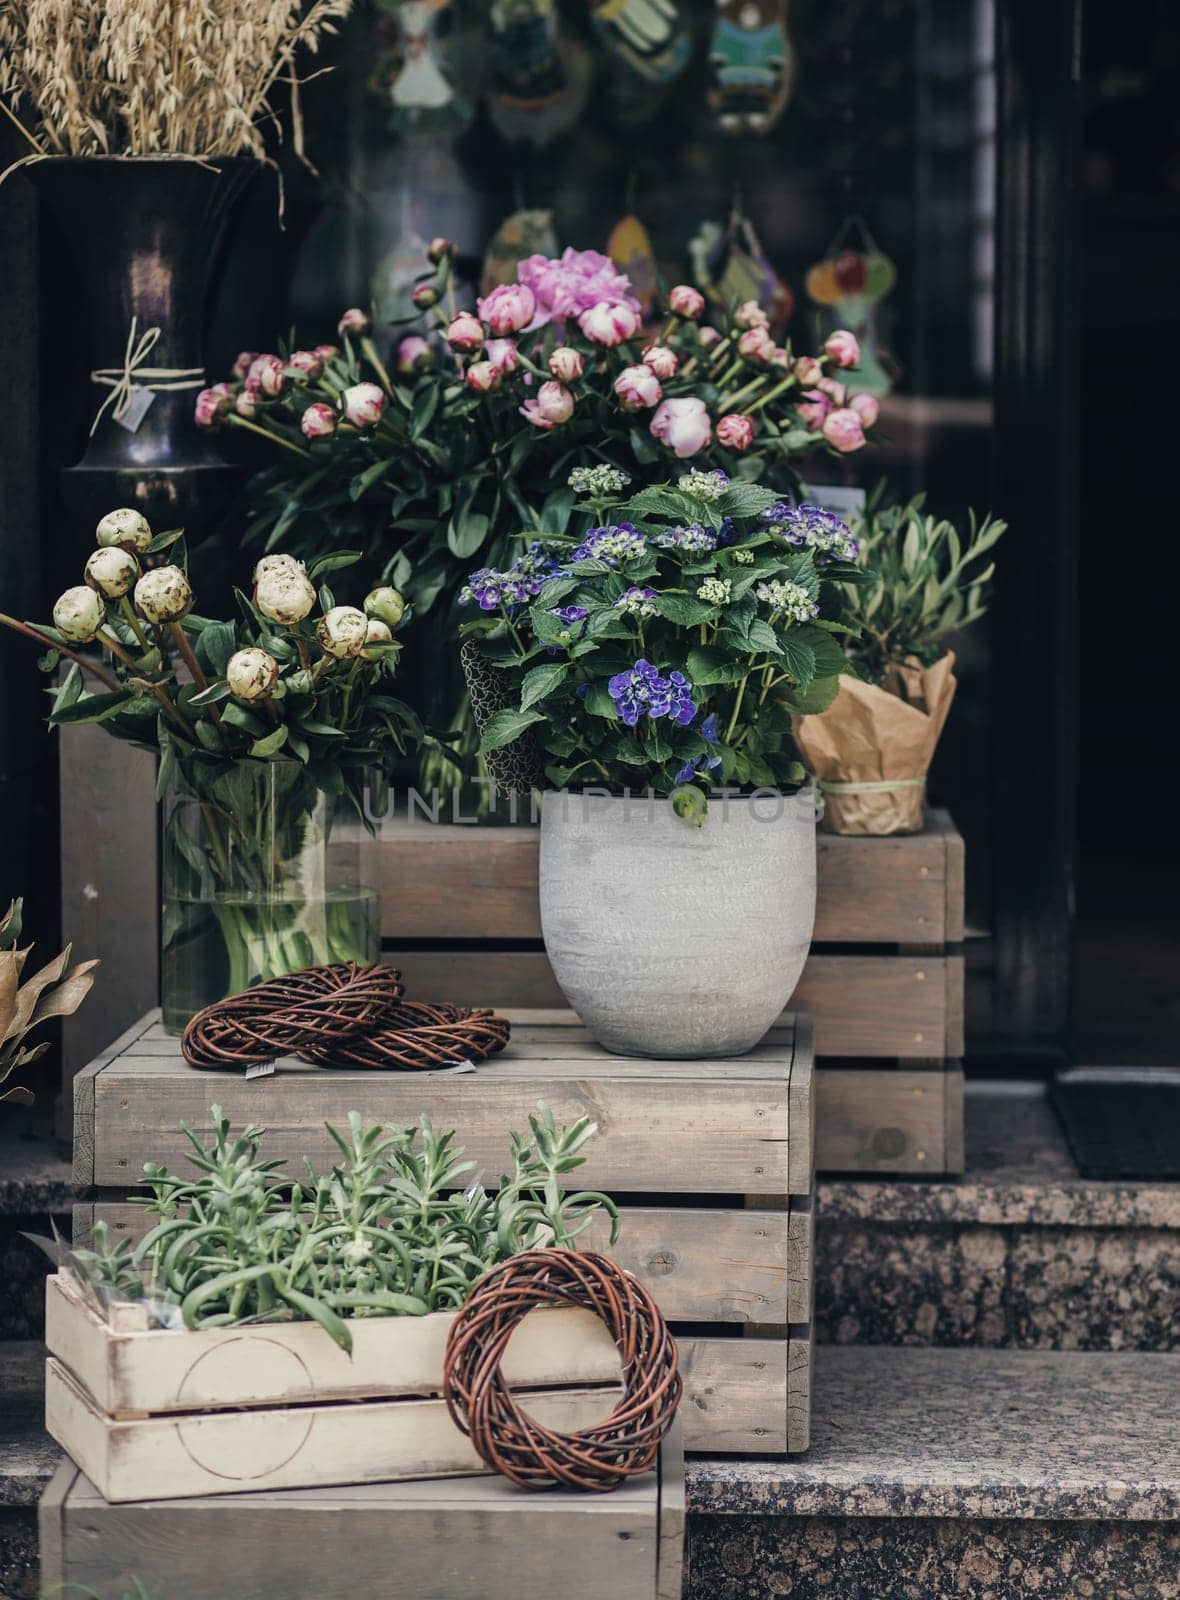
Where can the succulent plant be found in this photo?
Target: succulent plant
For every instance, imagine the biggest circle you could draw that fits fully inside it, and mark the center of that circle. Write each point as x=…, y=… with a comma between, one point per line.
x=56, y=991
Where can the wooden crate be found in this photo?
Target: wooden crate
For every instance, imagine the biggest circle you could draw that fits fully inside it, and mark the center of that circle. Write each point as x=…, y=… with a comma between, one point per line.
x=451, y=1540
x=711, y=1163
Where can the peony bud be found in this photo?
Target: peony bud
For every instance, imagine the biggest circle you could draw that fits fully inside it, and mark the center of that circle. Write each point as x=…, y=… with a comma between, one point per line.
x=842, y=349
x=683, y=425
x=306, y=363
x=266, y=377
x=78, y=614
x=756, y=345
x=866, y=408
x=834, y=389
x=551, y=406
x=425, y=296
x=751, y=315
x=813, y=408
x=111, y=571
x=245, y=404
x=708, y=337
x=439, y=249
x=342, y=632
x=318, y=421
x=808, y=371
x=212, y=404
x=413, y=353
x=376, y=633
x=326, y=352
x=662, y=361
x=465, y=332
x=685, y=301
x=567, y=364
x=508, y=308
x=608, y=324
x=163, y=594
x=363, y=404
x=735, y=431
x=385, y=605
x=284, y=594
x=503, y=355
x=843, y=431
x=276, y=563
x=126, y=528
x=482, y=376
x=246, y=359
x=354, y=321
x=251, y=673
x=638, y=388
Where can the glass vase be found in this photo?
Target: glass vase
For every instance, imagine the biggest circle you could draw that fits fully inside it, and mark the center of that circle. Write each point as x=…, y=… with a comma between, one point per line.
x=261, y=877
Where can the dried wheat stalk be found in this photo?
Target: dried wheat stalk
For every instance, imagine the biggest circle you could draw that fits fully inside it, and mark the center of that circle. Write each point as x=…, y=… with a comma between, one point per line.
x=145, y=77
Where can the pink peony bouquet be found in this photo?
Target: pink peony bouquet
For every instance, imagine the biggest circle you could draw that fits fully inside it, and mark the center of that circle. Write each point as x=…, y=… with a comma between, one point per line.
x=434, y=453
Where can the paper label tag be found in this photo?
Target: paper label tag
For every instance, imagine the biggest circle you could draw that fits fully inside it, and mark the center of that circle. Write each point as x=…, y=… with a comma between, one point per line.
x=451, y=1069
x=138, y=404
x=260, y=1069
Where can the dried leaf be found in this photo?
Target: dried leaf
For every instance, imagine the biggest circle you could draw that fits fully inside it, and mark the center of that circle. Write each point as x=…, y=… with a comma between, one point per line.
x=69, y=994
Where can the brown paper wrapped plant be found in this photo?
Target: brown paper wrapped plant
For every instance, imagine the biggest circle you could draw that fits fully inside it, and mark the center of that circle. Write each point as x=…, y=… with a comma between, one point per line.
x=56, y=991
x=871, y=749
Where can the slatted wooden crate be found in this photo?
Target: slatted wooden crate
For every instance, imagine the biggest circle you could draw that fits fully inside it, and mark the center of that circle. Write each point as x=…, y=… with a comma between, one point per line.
x=441, y=1540
x=711, y=1163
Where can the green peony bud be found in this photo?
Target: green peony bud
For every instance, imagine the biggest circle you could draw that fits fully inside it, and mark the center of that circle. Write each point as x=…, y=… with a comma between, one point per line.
x=387, y=605
x=284, y=594
x=78, y=614
x=163, y=595
x=111, y=571
x=127, y=528
x=251, y=673
x=342, y=632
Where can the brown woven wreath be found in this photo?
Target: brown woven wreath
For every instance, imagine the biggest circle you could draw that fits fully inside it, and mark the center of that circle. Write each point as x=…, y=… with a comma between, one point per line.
x=341, y=1015
x=601, y=1457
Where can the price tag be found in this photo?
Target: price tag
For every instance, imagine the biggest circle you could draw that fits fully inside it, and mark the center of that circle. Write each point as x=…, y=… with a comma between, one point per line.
x=260, y=1069
x=138, y=404
x=452, y=1069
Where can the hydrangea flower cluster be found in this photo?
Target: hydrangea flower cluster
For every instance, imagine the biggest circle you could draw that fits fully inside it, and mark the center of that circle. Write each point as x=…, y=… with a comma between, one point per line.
x=690, y=538
x=598, y=482
x=809, y=527
x=637, y=602
x=706, y=761
x=704, y=485
x=620, y=542
x=788, y=599
x=642, y=690
x=516, y=585
x=717, y=591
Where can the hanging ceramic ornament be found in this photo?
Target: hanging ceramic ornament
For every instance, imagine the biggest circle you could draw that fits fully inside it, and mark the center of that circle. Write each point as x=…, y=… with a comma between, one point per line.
x=630, y=248
x=542, y=74
x=847, y=286
x=423, y=98
x=731, y=267
x=648, y=36
x=524, y=233
x=752, y=62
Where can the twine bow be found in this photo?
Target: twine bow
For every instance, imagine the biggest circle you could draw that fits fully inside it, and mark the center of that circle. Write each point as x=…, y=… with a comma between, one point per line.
x=123, y=381
x=879, y=786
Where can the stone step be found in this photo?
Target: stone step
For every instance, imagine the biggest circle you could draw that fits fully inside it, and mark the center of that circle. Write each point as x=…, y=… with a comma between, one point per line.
x=967, y=1474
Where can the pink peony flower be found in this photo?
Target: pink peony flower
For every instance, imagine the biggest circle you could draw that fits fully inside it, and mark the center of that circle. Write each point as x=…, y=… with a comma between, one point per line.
x=813, y=408
x=567, y=364
x=425, y=296
x=683, y=425
x=841, y=348
x=866, y=408
x=808, y=371
x=326, y=352
x=735, y=431
x=363, y=404
x=687, y=302
x=246, y=404
x=638, y=388
x=508, y=309
x=609, y=325
x=843, y=431
x=552, y=405
x=572, y=283
x=355, y=321
x=751, y=315
x=834, y=389
x=708, y=337
x=438, y=248
x=306, y=363
x=662, y=361
x=245, y=361
x=266, y=377
x=465, y=332
x=413, y=353
x=212, y=404
x=318, y=421
x=503, y=355
x=483, y=376
x=756, y=345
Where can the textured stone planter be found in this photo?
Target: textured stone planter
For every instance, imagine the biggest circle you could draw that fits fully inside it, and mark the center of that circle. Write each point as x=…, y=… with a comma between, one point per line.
x=671, y=940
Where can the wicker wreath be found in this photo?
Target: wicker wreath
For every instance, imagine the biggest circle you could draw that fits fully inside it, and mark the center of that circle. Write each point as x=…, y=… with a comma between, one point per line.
x=339, y=1016
x=601, y=1457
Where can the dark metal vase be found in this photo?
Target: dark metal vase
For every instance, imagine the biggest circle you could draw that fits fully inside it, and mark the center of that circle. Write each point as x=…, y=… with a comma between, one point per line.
x=144, y=238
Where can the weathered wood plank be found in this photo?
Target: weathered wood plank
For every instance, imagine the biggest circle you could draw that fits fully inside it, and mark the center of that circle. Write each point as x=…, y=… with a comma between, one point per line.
x=800, y=1364
x=864, y=1006
x=445, y=882
x=701, y=1265
x=83, y=1093
x=955, y=1158
x=51, y=1527
x=880, y=1120
x=735, y=1395
x=800, y=1260
x=670, y=1559
x=801, y=1101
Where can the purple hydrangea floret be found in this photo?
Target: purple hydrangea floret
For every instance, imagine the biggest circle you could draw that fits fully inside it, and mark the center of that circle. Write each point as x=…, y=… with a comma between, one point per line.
x=691, y=537
x=643, y=690
x=619, y=542
x=516, y=585
x=812, y=528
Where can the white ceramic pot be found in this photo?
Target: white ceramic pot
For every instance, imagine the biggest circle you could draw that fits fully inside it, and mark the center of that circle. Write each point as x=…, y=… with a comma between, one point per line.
x=671, y=940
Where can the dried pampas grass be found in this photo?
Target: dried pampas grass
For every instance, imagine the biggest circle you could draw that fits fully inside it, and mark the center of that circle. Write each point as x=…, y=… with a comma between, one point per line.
x=150, y=77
